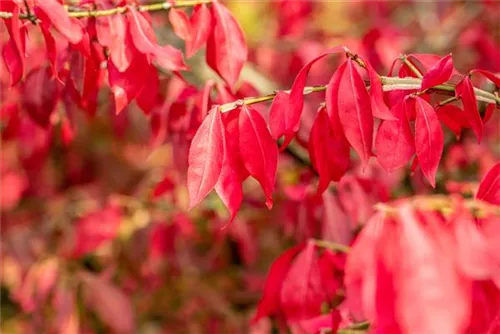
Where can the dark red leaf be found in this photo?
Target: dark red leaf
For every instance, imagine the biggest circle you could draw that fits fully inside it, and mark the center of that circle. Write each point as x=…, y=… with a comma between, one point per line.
x=258, y=150
x=270, y=302
x=147, y=98
x=227, y=51
x=453, y=117
x=465, y=90
x=206, y=155
x=489, y=188
x=439, y=73
x=329, y=152
x=394, y=142
x=429, y=139
x=14, y=50
x=355, y=113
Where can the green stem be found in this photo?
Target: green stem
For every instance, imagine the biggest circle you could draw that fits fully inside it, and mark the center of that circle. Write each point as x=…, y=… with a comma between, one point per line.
x=412, y=67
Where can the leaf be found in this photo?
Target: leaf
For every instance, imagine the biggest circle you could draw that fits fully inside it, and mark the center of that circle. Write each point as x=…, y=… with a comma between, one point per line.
x=201, y=28
x=429, y=139
x=465, y=90
x=332, y=97
x=287, y=120
x=276, y=113
x=489, y=187
x=14, y=50
x=109, y=303
x=227, y=51
x=439, y=73
x=144, y=39
x=394, y=142
x=54, y=12
x=229, y=185
x=147, y=98
x=95, y=229
x=206, y=155
x=329, y=152
x=431, y=296
x=453, y=117
x=40, y=95
x=258, y=150
x=127, y=85
x=112, y=32
x=180, y=23
x=66, y=318
x=270, y=302
x=489, y=75
x=379, y=108
x=354, y=108
x=302, y=293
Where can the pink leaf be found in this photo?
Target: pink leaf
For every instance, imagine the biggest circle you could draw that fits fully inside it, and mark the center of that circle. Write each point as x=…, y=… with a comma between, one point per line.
x=258, y=150
x=465, y=90
x=329, y=152
x=355, y=114
x=302, y=293
x=201, y=28
x=144, y=39
x=112, y=31
x=109, y=303
x=394, y=142
x=180, y=23
x=206, y=155
x=439, y=73
x=489, y=188
x=227, y=51
x=429, y=139
x=53, y=11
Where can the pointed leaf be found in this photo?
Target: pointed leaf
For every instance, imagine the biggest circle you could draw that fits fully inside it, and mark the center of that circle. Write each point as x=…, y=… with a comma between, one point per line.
x=201, y=28
x=281, y=103
x=14, y=50
x=206, y=155
x=258, y=150
x=489, y=188
x=54, y=12
x=180, y=23
x=465, y=90
x=227, y=51
x=379, y=108
x=439, y=73
x=354, y=107
x=394, y=142
x=429, y=139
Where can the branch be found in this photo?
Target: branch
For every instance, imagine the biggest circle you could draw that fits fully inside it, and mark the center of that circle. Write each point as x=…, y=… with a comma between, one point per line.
x=388, y=84
x=81, y=13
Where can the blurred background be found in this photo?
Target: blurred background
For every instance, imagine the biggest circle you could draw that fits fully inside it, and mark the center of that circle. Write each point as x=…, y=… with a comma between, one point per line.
x=95, y=232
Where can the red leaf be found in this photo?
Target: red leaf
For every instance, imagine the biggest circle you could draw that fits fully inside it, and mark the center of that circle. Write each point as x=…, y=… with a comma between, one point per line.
x=270, y=302
x=379, y=108
x=258, y=150
x=226, y=49
x=490, y=76
x=13, y=51
x=329, y=152
x=439, y=73
x=465, y=90
x=109, y=303
x=431, y=297
x=355, y=113
x=287, y=120
x=429, y=139
x=147, y=98
x=54, y=12
x=50, y=45
x=325, y=323
x=144, y=39
x=489, y=188
x=229, y=185
x=332, y=96
x=96, y=228
x=180, y=23
x=276, y=113
x=201, y=28
x=40, y=95
x=302, y=293
x=394, y=142
x=453, y=117
x=206, y=155
x=126, y=85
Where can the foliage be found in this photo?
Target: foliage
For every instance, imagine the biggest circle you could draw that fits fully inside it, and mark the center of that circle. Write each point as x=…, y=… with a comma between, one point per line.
x=152, y=190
